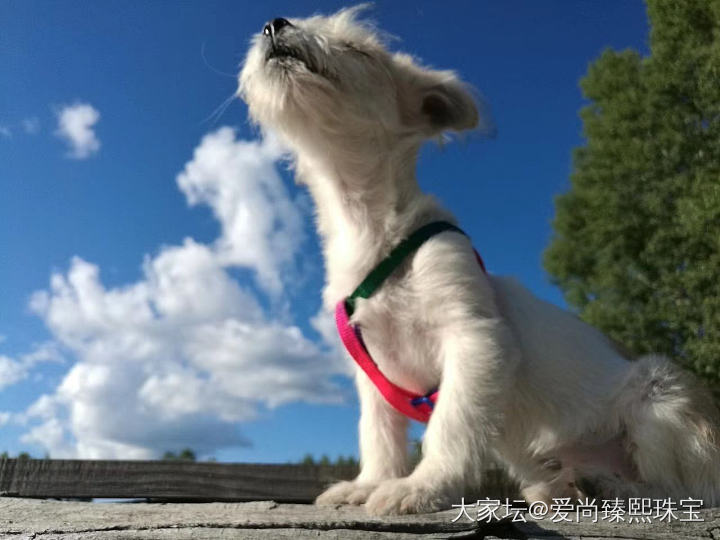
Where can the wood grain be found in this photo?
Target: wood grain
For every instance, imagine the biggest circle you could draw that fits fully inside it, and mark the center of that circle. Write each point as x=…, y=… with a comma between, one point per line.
x=24, y=519
x=173, y=480
x=187, y=481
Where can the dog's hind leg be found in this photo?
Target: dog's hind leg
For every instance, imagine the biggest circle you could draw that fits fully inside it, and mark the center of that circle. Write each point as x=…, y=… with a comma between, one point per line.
x=560, y=482
x=672, y=426
x=579, y=470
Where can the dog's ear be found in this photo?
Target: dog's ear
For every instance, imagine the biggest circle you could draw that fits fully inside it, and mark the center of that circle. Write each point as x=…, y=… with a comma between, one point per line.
x=447, y=105
x=435, y=101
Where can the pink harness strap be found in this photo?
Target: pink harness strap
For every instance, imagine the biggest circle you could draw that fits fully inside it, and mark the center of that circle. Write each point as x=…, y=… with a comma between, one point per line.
x=416, y=406
x=398, y=397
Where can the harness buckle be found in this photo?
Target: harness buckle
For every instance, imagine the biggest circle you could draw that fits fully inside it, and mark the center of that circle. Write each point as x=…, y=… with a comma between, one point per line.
x=416, y=402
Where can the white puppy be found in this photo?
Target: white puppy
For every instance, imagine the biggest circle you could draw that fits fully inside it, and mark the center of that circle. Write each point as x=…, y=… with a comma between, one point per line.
x=521, y=381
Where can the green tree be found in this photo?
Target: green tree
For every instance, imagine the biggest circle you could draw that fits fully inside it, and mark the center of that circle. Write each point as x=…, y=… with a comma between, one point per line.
x=348, y=461
x=186, y=454
x=636, y=247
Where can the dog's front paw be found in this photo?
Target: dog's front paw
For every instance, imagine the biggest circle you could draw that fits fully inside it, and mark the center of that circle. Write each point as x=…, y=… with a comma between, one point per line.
x=352, y=492
x=406, y=496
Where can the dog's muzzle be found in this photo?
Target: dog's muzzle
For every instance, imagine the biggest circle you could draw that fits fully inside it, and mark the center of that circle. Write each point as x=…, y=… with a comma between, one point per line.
x=272, y=32
x=275, y=26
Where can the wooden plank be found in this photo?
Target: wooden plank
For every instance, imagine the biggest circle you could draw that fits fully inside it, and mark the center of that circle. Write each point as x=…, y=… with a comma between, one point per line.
x=41, y=519
x=188, y=481
x=167, y=480
x=60, y=520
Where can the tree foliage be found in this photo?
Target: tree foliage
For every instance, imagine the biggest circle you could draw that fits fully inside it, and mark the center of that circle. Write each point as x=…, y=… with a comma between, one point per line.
x=636, y=247
x=22, y=456
x=340, y=461
x=186, y=454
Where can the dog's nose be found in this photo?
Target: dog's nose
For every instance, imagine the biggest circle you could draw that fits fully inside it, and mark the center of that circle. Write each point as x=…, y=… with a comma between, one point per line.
x=274, y=26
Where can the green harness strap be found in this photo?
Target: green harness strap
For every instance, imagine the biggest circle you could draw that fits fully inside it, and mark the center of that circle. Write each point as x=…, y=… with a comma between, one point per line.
x=388, y=265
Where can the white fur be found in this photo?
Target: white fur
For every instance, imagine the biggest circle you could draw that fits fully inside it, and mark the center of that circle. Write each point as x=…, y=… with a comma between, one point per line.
x=521, y=380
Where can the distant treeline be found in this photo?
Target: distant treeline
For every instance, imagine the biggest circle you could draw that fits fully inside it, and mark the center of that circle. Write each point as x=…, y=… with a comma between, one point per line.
x=414, y=455
x=21, y=456
x=340, y=461
x=188, y=454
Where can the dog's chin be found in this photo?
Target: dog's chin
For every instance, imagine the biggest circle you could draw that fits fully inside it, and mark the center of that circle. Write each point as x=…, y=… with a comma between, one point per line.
x=287, y=59
x=281, y=52
x=291, y=61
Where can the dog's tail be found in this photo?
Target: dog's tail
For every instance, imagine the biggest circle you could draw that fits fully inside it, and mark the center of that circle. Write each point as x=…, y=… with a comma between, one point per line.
x=673, y=429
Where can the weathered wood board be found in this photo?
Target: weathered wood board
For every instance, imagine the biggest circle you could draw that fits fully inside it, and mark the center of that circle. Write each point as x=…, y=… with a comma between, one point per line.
x=167, y=480
x=26, y=519
x=41, y=519
x=186, y=481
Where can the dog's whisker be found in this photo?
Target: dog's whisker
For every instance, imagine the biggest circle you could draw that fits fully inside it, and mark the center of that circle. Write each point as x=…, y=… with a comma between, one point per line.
x=213, y=68
x=215, y=116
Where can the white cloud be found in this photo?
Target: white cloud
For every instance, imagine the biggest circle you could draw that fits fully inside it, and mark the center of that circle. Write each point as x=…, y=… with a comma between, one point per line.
x=5, y=132
x=262, y=227
x=11, y=371
x=75, y=127
x=31, y=125
x=14, y=370
x=180, y=356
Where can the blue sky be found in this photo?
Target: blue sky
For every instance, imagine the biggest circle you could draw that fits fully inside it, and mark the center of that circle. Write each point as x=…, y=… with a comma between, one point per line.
x=107, y=195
